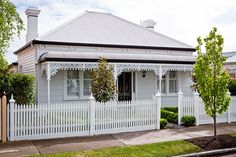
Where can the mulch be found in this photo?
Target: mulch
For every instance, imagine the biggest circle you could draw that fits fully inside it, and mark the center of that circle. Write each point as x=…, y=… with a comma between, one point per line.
x=210, y=143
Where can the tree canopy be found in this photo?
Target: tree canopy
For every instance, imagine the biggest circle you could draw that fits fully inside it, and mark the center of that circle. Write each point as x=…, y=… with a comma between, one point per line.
x=212, y=79
x=10, y=24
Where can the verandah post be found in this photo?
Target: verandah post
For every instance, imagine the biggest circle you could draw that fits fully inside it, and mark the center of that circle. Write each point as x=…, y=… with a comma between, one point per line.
x=92, y=114
x=196, y=106
x=229, y=108
x=180, y=100
x=158, y=108
x=4, y=118
x=12, y=129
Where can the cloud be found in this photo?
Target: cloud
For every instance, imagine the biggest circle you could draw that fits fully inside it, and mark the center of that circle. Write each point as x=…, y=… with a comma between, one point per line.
x=228, y=17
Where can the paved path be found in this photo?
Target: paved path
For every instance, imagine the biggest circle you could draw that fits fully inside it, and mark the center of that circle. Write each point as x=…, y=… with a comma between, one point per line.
x=103, y=141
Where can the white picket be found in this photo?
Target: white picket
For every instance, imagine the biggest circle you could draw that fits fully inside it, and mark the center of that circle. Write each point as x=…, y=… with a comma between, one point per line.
x=195, y=107
x=68, y=119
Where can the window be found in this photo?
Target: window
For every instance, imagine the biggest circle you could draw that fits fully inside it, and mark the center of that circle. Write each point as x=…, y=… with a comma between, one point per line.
x=163, y=82
x=172, y=82
x=73, y=83
x=78, y=84
x=168, y=83
x=87, y=81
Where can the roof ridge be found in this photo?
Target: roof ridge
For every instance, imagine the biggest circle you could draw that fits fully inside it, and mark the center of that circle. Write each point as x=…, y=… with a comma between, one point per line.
x=98, y=12
x=152, y=31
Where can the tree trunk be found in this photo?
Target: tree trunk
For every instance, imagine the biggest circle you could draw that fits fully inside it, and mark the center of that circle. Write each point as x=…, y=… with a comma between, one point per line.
x=214, y=125
x=214, y=103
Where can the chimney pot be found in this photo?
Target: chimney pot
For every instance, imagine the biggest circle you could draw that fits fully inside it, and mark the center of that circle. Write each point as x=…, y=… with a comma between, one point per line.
x=149, y=24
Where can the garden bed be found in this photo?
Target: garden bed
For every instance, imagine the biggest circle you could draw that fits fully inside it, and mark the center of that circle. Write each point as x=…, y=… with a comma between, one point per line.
x=210, y=143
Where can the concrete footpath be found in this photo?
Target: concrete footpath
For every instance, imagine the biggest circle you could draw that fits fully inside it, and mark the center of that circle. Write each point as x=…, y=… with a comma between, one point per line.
x=24, y=148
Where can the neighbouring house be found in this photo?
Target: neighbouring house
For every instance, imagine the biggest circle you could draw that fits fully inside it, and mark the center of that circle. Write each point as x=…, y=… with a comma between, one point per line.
x=231, y=63
x=13, y=68
x=144, y=61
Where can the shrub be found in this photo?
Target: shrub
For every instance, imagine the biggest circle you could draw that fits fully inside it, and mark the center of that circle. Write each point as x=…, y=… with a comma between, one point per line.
x=172, y=109
x=188, y=120
x=22, y=87
x=232, y=87
x=169, y=116
x=163, y=123
x=103, y=85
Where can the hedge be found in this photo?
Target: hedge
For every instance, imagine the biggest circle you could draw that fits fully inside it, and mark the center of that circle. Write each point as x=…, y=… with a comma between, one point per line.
x=163, y=123
x=172, y=109
x=188, y=120
x=20, y=85
x=169, y=116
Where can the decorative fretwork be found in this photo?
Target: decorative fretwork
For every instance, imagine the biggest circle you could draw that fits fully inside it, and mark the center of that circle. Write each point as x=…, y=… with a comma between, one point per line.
x=158, y=69
x=137, y=67
x=175, y=67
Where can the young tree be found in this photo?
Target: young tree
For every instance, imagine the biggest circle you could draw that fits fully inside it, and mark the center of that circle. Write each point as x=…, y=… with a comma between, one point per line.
x=212, y=79
x=103, y=85
x=10, y=24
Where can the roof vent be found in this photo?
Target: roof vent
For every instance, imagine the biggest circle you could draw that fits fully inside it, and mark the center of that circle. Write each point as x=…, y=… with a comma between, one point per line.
x=149, y=24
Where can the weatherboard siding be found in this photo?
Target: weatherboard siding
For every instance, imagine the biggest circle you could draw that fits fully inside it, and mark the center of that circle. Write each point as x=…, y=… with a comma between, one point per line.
x=26, y=61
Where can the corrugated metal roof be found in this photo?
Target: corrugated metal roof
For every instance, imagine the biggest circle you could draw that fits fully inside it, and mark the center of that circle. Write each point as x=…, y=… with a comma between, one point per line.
x=104, y=28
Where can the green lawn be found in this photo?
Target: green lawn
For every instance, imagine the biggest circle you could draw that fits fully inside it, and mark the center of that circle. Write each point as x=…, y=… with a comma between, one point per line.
x=163, y=149
x=233, y=134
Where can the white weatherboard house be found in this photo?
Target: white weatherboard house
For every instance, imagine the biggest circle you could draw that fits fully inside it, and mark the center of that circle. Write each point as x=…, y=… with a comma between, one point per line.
x=62, y=59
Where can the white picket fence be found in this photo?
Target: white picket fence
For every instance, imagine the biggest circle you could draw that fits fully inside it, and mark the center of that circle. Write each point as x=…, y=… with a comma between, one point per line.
x=193, y=106
x=45, y=121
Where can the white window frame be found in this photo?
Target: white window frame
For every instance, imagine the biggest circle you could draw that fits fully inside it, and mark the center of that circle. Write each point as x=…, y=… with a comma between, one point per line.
x=176, y=83
x=81, y=87
x=167, y=83
x=157, y=84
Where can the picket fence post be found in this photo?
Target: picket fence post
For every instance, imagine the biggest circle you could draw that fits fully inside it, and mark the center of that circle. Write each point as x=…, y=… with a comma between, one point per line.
x=229, y=108
x=158, y=108
x=196, y=107
x=180, y=100
x=11, y=128
x=92, y=114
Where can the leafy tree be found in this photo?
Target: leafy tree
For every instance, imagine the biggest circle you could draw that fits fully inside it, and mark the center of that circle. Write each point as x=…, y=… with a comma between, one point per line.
x=212, y=79
x=10, y=24
x=103, y=85
x=4, y=75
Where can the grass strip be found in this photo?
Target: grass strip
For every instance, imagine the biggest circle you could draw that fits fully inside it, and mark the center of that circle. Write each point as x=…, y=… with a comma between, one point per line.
x=162, y=149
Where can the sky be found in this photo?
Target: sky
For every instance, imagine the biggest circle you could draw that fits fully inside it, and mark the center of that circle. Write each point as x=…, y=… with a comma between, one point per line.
x=183, y=20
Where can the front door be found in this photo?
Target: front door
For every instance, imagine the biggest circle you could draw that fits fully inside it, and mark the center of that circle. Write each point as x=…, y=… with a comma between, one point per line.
x=124, y=82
